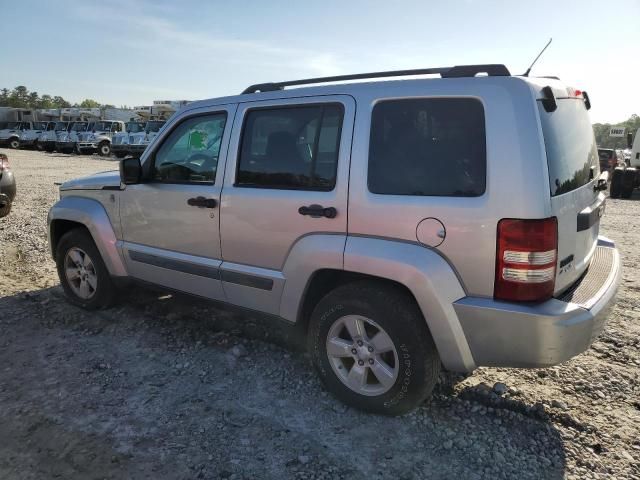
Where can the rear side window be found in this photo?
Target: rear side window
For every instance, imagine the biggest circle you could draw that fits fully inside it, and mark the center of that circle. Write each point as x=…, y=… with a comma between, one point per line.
x=292, y=148
x=429, y=147
x=570, y=145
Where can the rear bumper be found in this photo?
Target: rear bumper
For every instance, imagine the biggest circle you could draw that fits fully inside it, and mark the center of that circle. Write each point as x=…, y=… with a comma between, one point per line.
x=503, y=334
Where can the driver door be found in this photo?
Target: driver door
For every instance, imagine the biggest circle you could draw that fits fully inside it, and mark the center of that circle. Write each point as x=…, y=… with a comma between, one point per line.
x=170, y=221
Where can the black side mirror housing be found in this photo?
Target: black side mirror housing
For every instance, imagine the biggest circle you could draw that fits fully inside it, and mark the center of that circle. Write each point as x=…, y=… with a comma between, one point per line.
x=130, y=171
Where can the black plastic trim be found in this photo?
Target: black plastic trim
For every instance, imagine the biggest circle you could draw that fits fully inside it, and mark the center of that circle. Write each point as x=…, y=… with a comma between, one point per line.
x=590, y=215
x=247, y=280
x=177, y=265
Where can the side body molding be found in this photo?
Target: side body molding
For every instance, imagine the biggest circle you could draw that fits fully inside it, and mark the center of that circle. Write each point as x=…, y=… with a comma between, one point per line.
x=432, y=281
x=92, y=215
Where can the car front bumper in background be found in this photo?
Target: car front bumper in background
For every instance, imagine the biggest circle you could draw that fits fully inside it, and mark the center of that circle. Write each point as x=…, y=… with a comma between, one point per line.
x=504, y=334
x=87, y=146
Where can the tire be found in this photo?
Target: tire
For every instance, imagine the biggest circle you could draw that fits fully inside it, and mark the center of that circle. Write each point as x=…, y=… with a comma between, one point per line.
x=49, y=149
x=616, y=183
x=101, y=291
x=120, y=154
x=104, y=149
x=380, y=308
x=14, y=143
x=628, y=182
x=5, y=210
x=67, y=151
x=37, y=146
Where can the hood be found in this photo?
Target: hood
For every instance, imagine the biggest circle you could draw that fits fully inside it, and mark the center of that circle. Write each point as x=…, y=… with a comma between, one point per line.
x=93, y=182
x=6, y=133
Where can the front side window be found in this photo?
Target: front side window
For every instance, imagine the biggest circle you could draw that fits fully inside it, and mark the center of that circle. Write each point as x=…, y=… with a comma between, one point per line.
x=190, y=153
x=291, y=148
x=428, y=147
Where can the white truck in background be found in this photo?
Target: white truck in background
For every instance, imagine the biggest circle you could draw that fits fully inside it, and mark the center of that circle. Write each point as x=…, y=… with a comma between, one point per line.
x=626, y=178
x=99, y=138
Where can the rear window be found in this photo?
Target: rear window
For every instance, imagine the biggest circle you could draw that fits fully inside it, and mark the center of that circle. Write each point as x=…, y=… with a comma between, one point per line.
x=428, y=147
x=570, y=145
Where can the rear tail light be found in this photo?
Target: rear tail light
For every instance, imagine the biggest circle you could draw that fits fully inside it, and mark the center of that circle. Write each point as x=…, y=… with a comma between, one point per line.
x=4, y=161
x=526, y=258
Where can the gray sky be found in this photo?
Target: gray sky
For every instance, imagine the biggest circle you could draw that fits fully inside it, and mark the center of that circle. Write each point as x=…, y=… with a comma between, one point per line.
x=134, y=52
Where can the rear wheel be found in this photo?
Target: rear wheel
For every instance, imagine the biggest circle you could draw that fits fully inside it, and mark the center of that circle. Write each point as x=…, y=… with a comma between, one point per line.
x=372, y=348
x=14, y=143
x=5, y=210
x=104, y=149
x=83, y=275
x=120, y=154
x=628, y=182
x=616, y=183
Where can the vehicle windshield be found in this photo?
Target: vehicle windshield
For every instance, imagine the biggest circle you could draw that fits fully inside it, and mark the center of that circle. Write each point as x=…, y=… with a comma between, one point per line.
x=604, y=154
x=13, y=125
x=102, y=126
x=570, y=145
x=60, y=126
x=80, y=127
x=51, y=126
x=135, y=127
x=39, y=125
x=154, y=126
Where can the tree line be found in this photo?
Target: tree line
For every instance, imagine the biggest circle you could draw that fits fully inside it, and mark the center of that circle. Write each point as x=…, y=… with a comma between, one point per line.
x=601, y=131
x=21, y=97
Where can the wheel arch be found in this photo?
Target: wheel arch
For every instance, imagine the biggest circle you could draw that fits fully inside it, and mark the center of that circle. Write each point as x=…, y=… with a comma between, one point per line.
x=423, y=273
x=78, y=212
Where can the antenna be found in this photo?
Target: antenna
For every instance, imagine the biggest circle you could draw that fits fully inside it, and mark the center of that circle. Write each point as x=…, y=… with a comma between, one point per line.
x=526, y=74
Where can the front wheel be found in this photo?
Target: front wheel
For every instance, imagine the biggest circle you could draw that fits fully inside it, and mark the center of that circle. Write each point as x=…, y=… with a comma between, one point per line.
x=14, y=143
x=372, y=349
x=83, y=275
x=104, y=149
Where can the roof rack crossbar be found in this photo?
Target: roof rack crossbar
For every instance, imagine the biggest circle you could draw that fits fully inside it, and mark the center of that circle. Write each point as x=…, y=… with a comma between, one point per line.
x=444, y=72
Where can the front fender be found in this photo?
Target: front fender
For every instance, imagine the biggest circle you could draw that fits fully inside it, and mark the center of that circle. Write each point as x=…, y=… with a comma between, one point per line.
x=93, y=216
x=431, y=280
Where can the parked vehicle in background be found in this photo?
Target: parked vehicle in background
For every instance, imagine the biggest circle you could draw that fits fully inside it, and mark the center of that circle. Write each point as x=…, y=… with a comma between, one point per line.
x=626, y=177
x=10, y=135
x=99, y=140
x=609, y=159
x=138, y=142
x=7, y=186
x=29, y=137
x=50, y=127
x=393, y=236
x=120, y=140
x=67, y=142
x=49, y=138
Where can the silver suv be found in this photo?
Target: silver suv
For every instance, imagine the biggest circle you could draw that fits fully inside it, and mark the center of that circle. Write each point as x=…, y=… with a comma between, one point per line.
x=406, y=225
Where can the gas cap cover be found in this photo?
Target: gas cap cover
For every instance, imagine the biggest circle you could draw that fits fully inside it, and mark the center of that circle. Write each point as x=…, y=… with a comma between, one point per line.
x=431, y=232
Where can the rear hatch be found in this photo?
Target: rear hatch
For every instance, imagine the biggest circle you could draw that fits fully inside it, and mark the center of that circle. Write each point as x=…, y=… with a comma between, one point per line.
x=573, y=164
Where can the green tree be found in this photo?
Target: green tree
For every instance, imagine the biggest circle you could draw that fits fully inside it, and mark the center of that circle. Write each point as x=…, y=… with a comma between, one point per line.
x=4, y=97
x=59, y=102
x=33, y=99
x=45, y=101
x=601, y=132
x=89, y=103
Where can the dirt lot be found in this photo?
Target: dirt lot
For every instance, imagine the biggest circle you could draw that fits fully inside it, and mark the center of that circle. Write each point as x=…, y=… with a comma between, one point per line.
x=169, y=387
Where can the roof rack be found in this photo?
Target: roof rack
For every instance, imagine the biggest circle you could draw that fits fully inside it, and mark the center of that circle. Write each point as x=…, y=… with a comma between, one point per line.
x=492, y=70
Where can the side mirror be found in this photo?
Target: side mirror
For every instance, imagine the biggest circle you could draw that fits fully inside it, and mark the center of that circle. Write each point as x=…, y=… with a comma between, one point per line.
x=130, y=171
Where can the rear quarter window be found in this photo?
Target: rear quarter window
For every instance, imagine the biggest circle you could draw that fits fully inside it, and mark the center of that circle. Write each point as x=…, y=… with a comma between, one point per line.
x=428, y=147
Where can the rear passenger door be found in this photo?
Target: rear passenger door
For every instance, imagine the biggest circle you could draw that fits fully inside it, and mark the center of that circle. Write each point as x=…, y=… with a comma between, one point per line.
x=287, y=178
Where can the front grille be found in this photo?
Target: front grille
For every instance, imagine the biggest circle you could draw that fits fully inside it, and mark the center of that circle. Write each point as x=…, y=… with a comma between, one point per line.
x=584, y=292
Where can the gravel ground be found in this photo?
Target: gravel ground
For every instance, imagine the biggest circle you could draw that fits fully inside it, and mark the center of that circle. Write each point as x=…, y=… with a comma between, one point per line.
x=170, y=387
